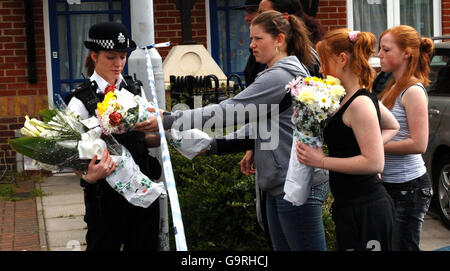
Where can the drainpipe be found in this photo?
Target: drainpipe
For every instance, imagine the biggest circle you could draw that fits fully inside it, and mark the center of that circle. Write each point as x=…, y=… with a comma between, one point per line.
x=142, y=32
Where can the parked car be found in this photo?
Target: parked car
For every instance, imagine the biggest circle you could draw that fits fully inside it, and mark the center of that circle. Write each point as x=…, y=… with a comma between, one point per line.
x=437, y=156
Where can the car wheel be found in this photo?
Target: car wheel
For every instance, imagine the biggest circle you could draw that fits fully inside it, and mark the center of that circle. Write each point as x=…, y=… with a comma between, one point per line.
x=441, y=186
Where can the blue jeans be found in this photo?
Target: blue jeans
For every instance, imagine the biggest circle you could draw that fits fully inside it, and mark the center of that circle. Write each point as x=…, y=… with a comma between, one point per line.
x=411, y=200
x=297, y=228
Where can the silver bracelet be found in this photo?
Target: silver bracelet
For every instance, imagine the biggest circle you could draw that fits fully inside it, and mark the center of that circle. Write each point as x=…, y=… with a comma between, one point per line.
x=83, y=176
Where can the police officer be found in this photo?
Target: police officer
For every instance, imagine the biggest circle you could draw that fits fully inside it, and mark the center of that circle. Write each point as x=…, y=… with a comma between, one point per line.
x=113, y=223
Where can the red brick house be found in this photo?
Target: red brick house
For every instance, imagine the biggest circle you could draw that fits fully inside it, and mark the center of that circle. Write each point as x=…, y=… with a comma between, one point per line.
x=40, y=52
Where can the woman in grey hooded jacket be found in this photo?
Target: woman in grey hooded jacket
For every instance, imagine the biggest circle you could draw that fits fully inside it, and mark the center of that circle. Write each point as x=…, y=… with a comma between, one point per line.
x=281, y=42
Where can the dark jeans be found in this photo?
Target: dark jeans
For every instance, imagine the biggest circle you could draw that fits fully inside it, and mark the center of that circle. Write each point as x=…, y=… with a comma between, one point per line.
x=411, y=200
x=297, y=228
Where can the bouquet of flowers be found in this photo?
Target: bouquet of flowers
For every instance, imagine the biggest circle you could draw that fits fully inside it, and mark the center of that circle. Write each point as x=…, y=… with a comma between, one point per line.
x=120, y=110
x=61, y=140
x=53, y=143
x=314, y=100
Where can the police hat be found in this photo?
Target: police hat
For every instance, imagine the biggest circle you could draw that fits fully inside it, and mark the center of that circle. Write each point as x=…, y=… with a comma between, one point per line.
x=109, y=36
x=249, y=4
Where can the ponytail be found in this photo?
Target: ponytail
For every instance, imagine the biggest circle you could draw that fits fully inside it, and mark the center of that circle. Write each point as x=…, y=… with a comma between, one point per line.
x=298, y=42
x=363, y=49
x=361, y=46
x=89, y=64
x=426, y=50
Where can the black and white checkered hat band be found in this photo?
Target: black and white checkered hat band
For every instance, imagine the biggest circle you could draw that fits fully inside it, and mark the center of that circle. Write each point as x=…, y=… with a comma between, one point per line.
x=107, y=44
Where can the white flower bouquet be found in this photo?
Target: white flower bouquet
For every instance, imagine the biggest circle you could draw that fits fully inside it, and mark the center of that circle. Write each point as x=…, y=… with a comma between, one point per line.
x=120, y=110
x=53, y=142
x=61, y=140
x=314, y=101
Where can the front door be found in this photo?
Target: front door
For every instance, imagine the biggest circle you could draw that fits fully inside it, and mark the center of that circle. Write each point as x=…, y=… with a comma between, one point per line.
x=69, y=27
x=230, y=36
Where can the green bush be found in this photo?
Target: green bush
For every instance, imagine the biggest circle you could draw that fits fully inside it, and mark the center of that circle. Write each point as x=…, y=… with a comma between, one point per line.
x=328, y=224
x=218, y=205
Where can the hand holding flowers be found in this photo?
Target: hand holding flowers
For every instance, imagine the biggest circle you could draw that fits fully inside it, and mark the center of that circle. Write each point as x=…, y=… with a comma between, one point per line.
x=310, y=156
x=102, y=169
x=314, y=101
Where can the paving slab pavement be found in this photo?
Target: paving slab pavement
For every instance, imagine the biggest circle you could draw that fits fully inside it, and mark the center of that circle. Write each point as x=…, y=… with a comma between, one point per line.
x=62, y=228
x=434, y=234
x=62, y=210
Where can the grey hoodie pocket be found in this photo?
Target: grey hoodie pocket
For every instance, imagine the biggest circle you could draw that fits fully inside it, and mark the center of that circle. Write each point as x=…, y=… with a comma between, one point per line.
x=269, y=171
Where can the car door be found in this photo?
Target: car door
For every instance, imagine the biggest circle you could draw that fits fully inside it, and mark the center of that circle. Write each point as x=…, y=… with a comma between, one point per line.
x=439, y=92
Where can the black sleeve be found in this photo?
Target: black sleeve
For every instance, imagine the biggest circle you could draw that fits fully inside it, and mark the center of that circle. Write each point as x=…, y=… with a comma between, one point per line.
x=223, y=146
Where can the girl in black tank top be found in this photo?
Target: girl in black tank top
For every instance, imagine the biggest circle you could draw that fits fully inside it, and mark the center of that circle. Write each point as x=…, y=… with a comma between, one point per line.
x=362, y=210
x=341, y=142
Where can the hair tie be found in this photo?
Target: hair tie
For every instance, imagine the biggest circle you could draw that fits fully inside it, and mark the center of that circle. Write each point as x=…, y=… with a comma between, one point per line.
x=286, y=16
x=353, y=36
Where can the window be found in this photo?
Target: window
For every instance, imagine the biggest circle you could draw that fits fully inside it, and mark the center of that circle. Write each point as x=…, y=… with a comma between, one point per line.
x=378, y=15
x=440, y=72
x=230, y=36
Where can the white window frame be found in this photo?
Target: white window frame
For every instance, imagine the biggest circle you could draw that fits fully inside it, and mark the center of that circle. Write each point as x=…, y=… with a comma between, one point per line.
x=393, y=15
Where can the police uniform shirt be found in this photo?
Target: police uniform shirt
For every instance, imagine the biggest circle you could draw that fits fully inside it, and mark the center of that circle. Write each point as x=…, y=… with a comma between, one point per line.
x=76, y=106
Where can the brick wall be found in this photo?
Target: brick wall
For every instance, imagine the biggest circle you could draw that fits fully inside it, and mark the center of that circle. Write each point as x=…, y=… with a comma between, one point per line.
x=168, y=24
x=17, y=96
x=446, y=17
x=332, y=14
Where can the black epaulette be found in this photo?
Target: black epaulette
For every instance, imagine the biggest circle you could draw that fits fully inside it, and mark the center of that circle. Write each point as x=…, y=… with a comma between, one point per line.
x=87, y=94
x=133, y=86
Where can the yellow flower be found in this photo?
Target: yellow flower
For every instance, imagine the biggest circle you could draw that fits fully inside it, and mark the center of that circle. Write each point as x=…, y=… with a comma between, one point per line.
x=332, y=80
x=109, y=96
x=318, y=80
x=313, y=79
x=307, y=96
x=336, y=91
x=101, y=107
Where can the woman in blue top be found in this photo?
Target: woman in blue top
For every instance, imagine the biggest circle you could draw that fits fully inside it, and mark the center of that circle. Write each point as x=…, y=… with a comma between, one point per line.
x=407, y=56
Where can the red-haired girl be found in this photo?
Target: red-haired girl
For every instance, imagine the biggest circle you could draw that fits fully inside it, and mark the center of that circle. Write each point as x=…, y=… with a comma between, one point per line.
x=407, y=56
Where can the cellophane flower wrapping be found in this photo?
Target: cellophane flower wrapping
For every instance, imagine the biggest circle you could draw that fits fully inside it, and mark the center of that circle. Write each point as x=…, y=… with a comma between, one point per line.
x=62, y=140
x=314, y=101
x=190, y=142
x=53, y=142
x=128, y=180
